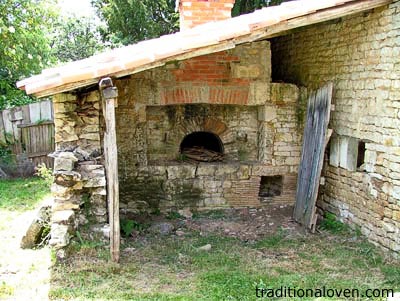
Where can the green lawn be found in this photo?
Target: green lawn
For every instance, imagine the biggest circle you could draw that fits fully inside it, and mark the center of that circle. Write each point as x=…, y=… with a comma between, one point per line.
x=22, y=194
x=171, y=268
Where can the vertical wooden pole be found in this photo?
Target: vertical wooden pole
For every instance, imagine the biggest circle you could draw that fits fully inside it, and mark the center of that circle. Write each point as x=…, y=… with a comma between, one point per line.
x=109, y=95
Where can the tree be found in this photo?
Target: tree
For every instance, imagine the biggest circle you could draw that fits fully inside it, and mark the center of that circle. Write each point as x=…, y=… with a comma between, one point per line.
x=24, y=47
x=75, y=38
x=247, y=6
x=131, y=21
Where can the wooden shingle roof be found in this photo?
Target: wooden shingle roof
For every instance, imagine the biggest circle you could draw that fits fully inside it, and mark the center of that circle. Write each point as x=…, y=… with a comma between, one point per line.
x=203, y=39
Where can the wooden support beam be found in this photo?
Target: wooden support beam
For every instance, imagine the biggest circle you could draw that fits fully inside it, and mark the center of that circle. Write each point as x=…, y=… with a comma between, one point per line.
x=109, y=95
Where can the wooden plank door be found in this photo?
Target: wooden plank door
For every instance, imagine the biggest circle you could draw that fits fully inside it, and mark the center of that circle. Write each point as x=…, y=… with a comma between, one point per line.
x=314, y=144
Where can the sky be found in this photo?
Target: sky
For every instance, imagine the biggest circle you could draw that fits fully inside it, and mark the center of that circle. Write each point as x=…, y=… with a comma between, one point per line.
x=79, y=7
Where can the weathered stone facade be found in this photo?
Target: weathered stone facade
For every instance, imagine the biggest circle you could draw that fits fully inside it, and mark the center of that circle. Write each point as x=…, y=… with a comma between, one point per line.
x=360, y=54
x=228, y=94
x=79, y=188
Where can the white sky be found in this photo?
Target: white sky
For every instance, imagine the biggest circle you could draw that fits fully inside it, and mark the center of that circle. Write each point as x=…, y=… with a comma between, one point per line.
x=79, y=7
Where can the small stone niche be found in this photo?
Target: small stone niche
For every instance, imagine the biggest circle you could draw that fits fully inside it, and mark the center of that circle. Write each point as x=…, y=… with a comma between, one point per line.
x=270, y=186
x=361, y=154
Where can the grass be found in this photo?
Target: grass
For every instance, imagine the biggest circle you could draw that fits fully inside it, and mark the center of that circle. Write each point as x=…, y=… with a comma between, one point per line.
x=172, y=268
x=22, y=194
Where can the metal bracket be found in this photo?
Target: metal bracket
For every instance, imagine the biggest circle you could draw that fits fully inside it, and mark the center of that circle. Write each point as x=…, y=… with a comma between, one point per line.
x=107, y=89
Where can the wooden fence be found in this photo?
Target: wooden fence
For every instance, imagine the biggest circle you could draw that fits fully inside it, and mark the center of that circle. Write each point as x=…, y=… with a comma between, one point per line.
x=30, y=131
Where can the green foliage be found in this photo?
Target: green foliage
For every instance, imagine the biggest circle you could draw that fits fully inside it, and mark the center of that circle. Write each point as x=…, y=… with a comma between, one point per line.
x=156, y=211
x=181, y=157
x=331, y=224
x=128, y=226
x=24, y=47
x=131, y=21
x=6, y=155
x=247, y=6
x=173, y=215
x=45, y=173
x=75, y=38
x=22, y=194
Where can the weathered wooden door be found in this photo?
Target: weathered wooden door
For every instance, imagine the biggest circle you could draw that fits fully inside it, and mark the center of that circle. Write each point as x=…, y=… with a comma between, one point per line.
x=314, y=143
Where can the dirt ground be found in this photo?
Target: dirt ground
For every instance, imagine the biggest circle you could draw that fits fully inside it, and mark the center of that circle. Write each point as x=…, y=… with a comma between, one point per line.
x=24, y=274
x=246, y=224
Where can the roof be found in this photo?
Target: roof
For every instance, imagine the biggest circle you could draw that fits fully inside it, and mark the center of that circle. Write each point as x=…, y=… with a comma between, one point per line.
x=203, y=39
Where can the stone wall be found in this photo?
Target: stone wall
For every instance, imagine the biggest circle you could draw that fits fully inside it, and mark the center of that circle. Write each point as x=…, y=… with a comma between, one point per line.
x=79, y=188
x=228, y=94
x=360, y=54
x=259, y=141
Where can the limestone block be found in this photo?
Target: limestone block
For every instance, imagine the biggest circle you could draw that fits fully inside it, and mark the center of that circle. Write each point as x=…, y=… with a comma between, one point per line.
x=292, y=161
x=259, y=93
x=95, y=181
x=90, y=120
x=267, y=113
x=91, y=128
x=63, y=217
x=90, y=136
x=68, y=155
x=63, y=97
x=396, y=216
x=389, y=227
x=59, y=236
x=99, y=191
x=205, y=170
x=334, y=152
x=63, y=164
x=58, y=190
x=245, y=71
x=60, y=206
x=395, y=247
x=63, y=107
x=396, y=192
x=226, y=169
x=62, y=136
x=181, y=172
x=66, y=178
x=348, y=153
x=281, y=92
x=88, y=170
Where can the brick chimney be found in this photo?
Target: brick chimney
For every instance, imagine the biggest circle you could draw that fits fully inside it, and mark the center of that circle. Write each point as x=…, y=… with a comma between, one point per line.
x=196, y=12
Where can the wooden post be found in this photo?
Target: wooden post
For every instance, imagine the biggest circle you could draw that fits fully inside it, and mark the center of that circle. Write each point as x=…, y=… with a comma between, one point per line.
x=109, y=95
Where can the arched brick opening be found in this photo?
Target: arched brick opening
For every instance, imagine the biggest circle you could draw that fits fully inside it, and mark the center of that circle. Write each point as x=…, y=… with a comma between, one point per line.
x=202, y=139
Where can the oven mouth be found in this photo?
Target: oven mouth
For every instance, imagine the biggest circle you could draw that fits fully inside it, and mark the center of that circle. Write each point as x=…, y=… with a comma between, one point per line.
x=202, y=147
